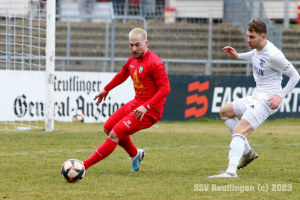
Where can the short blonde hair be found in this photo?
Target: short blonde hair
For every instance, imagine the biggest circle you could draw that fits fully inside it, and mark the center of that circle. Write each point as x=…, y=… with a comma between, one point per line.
x=138, y=32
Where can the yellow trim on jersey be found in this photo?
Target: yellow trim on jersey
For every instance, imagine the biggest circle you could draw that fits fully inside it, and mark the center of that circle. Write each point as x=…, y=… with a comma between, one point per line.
x=136, y=81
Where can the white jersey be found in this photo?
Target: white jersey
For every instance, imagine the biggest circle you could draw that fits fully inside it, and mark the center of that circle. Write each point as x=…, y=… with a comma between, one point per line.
x=268, y=66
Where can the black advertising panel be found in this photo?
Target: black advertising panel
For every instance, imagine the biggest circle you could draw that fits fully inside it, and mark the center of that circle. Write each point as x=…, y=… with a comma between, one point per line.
x=202, y=96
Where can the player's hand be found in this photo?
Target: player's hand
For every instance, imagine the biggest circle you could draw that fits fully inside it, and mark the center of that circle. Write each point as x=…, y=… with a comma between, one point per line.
x=231, y=51
x=140, y=111
x=275, y=102
x=101, y=95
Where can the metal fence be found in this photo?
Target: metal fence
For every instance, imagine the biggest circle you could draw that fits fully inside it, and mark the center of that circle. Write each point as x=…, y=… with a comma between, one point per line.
x=189, y=46
x=146, y=10
x=240, y=12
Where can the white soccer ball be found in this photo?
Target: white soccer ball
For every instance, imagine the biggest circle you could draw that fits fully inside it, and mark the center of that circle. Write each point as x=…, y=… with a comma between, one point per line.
x=73, y=170
x=78, y=117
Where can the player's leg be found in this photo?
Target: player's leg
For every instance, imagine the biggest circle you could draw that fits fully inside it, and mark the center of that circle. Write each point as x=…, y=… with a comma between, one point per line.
x=126, y=142
x=237, y=146
x=130, y=125
x=109, y=145
x=261, y=110
x=231, y=111
x=125, y=127
x=240, y=106
x=228, y=116
x=104, y=150
x=128, y=146
x=255, y=115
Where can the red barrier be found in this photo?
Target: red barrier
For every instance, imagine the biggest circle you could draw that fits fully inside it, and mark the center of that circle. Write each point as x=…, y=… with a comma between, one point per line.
x=298, y=20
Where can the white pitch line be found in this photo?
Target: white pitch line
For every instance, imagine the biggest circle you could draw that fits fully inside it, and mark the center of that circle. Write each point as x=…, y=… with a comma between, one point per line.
x=155, y=148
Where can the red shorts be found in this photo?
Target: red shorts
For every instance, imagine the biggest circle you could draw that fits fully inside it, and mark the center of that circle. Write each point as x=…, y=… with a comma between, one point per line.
x=124, y=123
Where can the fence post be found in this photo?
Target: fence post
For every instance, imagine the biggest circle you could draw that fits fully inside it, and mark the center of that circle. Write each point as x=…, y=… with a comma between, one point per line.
x=125, y=10
x=286, y=14
x=141, y=8
x=63, y=68
x=210, y=35
x=167, y=67
x=112, y=49
x=8, y=39
x=50, y=66
x=251, y=9
x=106, y=44
x=30, y=38
x=248, y=69
x=68, y=39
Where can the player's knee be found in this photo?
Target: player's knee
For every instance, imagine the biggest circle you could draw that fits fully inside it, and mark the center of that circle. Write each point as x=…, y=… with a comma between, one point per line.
x=223, y=111
x=243, y=127
x=227, y=111
x=109, y=124
x=113, y=136
x=106, y=131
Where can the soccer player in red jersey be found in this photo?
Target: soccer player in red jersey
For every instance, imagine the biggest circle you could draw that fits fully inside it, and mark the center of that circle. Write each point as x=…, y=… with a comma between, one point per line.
x=151, y=86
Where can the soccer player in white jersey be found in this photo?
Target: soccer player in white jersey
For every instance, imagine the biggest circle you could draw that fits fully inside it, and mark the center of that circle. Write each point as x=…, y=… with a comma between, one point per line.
x=269, y=64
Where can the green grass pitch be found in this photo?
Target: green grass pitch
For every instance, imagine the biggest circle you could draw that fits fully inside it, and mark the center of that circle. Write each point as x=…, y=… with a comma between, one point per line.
x=179, y=158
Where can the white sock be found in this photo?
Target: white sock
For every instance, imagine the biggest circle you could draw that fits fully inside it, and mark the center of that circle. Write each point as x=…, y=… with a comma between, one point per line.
x=236, y=150
x=231, y=168
x=247, y=146
x=230, y=123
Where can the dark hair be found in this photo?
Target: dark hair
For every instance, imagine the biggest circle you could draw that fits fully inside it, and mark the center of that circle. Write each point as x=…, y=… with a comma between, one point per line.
x=258, y=26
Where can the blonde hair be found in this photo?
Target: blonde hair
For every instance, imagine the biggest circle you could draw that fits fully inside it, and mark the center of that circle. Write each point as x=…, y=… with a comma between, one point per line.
x=138, y=32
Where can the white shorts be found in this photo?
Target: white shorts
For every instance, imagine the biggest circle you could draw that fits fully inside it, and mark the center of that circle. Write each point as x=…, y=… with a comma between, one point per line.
x=255, y=111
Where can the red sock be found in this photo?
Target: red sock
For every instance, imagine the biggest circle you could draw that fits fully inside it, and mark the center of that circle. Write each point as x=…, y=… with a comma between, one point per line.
x=104, y=150
x=129, y=147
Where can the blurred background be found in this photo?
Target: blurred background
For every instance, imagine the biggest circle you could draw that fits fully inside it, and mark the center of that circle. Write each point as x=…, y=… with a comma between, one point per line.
x=188, y=35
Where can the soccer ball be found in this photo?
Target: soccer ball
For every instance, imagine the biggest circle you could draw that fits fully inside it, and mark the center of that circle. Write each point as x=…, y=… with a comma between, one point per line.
x=73, y=170
x=78, y=117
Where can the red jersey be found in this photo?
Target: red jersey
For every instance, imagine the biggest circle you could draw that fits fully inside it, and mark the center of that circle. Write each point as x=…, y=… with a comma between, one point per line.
x=150, y=81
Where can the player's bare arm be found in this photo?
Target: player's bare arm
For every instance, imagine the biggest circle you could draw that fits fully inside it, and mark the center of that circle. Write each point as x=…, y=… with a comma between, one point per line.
x=275, y=102
x=231, y=51
x=140, y=111
x=101, y=96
